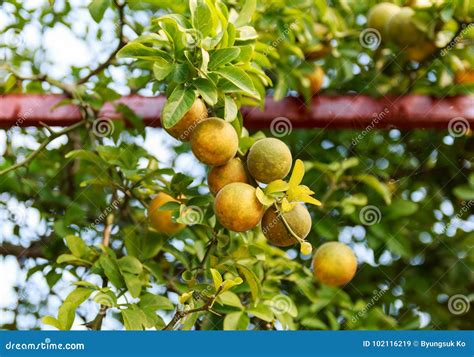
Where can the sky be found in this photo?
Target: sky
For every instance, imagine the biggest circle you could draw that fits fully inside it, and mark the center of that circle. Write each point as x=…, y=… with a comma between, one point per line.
x=64, y=48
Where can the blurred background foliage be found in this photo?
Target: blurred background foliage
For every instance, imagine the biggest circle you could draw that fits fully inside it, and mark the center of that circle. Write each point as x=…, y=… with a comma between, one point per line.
x=413, y=257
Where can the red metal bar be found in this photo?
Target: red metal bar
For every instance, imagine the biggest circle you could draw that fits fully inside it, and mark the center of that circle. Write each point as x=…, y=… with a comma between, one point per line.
x=343, y=111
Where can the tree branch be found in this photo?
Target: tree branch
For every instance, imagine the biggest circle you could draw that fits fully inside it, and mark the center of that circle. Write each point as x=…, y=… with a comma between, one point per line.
x=35, y=250
x=121, y=43
x=45, y=143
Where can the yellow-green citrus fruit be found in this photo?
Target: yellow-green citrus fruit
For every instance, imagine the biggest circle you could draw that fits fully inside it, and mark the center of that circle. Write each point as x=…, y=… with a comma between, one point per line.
x=464, y=77
x=316, y=80
x=162, y=220
x=214, y=142
x=184, y=127
x=277, y=233
x=237, y=207
x=402, y=30
x=334, y=264
x=317, y=52
x=421, y=51
x=380, y=15
x=220, y=176
x=269, y=159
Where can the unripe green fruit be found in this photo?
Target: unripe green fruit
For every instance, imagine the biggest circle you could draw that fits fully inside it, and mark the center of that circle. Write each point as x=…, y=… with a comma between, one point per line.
x=402, y=30
x=268, y=160
x=220, y=176
x=334, y=264
x=237, y=207
x=277, y=233
x=214, y=142
x=380, y=15
x=185, y=126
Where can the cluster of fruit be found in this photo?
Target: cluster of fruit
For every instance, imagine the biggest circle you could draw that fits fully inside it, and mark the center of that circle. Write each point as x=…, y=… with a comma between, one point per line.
x=396, y=24
x=233, y=179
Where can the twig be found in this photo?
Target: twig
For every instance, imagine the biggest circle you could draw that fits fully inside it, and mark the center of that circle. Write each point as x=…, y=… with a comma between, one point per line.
x=121, y=43
x=68, y=89
x=41, y=147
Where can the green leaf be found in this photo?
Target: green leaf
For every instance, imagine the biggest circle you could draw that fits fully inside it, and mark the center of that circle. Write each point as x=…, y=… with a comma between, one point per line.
x=464, y=192
x=207, y=90
x=252, y=281
x=229, y=298
x=236, y=321
x=230, y=109
x=178, y=103
x=134, y=285
x=140, y=51
x=97, y=9
x=111, y=270
x=52, y=321
x=223, y=56
x=230, y=283
x=67, y=310
x=132, y=318
x=107, y=298
x=130, y=264
x=155, y=302
x=263, y=312
x=401, y=208
x=77, y=246
x=217, y=278
x=240, y=79
x=378, y=186
x=201, y=17
x=246, y=13
x=161, y=69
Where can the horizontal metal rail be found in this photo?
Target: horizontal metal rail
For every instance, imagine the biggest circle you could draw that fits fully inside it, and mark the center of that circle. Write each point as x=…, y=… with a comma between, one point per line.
x=341, y=111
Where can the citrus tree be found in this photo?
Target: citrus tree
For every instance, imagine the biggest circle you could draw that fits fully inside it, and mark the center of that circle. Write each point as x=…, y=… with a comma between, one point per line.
x=140, y=244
